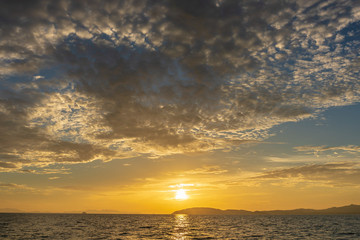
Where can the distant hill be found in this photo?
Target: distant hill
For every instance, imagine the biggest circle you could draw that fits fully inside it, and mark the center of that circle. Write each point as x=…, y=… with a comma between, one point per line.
x=10, y=210
x=350, y=209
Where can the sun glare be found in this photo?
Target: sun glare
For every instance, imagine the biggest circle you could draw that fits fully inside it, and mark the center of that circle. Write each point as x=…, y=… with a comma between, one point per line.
x=180, y=194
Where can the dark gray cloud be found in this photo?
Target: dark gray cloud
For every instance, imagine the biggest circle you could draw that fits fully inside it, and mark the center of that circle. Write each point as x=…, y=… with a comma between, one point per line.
x=85, y=80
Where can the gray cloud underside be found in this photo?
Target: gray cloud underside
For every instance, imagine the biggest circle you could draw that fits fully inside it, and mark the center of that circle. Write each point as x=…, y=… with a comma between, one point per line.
x=85, y=80
x=335, y=174
x=7, y=186
x=348, y=148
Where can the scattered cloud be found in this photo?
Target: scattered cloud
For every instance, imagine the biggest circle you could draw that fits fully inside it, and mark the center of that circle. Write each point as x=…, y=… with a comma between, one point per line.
x=53, y=178
x=7, y=165
x=87, y=80
x=75, y=188
x=334, y=174
x=14, y=186
x=50, y=170
x=206, y=170
x=348, y=148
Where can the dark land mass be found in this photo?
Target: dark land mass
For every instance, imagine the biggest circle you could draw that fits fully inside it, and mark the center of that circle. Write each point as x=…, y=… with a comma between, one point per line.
x=350, y=209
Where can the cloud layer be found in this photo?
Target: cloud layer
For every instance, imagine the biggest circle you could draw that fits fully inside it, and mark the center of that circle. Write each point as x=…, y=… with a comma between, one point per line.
x=86, y=80
x=333, y=174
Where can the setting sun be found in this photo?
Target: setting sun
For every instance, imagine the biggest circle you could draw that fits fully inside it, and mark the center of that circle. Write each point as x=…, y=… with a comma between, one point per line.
x=181, y=194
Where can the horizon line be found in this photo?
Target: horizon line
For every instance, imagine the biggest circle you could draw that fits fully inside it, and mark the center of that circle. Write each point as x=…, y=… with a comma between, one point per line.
x=119, y=213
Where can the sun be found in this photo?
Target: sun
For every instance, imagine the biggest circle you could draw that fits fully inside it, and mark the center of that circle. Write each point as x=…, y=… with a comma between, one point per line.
x=180, y=194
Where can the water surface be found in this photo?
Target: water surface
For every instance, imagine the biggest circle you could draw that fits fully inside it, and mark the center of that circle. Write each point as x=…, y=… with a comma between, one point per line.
x=107, y=226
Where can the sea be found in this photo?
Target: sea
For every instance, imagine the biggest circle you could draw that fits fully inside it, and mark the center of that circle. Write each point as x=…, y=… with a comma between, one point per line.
x=119, y=226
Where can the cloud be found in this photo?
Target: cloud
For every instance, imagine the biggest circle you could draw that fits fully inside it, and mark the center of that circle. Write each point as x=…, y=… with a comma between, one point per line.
x=75, y=188
x=52, y=170
x=205, y=170
x=13, y=186
x=7, y=165
x=53, y=178
x=335, y=174
x=86, y=80
x=338, y=151
x=348, y=148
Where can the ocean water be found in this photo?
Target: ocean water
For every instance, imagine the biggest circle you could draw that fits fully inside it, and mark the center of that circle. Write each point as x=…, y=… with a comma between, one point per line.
x=105, y=226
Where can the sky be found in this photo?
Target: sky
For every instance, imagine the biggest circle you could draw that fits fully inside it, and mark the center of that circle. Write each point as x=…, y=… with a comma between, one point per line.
x=142, y=106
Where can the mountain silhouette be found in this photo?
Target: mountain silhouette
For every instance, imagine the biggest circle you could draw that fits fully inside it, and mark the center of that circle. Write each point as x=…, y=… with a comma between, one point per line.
x=350, y=209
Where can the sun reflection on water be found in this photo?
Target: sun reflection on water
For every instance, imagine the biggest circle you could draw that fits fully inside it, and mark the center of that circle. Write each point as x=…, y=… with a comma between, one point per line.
x=181, y=226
